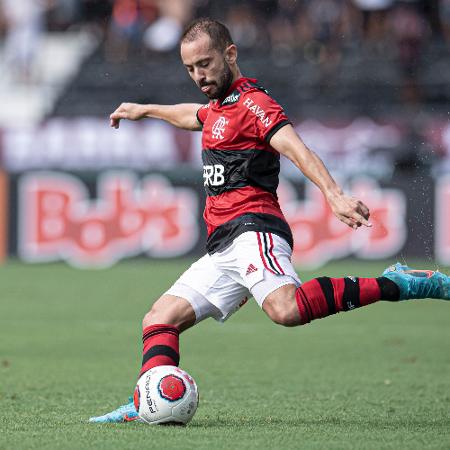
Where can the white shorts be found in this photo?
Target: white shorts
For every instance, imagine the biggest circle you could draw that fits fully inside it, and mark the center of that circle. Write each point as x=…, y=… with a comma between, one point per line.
x=255, y=265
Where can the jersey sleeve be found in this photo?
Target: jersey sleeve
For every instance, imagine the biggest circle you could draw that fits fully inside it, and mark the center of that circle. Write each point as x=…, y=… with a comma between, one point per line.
x=202, y=113
x=267, y=114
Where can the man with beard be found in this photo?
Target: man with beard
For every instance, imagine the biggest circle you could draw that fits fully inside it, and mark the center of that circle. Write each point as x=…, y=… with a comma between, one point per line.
x=249, y=242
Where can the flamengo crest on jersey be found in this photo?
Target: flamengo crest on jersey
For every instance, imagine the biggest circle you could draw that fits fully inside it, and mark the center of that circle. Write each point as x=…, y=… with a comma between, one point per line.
x=218, y=128
x=240, y=168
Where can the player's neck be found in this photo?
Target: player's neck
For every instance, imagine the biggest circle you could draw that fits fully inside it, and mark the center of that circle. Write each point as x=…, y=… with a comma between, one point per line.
x=236, y=74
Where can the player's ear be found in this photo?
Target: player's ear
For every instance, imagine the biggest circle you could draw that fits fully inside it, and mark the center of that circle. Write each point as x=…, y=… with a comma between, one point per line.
x=231, y=54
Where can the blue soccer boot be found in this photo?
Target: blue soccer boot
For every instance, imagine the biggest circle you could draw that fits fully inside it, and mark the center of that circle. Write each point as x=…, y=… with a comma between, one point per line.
x=414, y=283
x=124, y=413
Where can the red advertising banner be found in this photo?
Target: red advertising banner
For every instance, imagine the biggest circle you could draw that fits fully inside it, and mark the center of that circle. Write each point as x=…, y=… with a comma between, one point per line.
x=58, y=220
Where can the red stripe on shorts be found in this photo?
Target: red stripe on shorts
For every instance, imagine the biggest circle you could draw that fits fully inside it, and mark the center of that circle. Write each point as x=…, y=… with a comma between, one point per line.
x=262, y=254
x=273, y=256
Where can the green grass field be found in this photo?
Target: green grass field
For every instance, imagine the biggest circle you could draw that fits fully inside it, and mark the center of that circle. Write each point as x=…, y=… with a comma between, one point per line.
x=378, y=377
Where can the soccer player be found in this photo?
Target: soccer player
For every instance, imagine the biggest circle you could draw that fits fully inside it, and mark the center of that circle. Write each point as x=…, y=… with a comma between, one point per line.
x=249, y=245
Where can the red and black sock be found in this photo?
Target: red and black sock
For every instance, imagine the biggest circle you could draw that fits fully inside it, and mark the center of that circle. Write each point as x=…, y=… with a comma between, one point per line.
x=160, y=347
x=322, y=297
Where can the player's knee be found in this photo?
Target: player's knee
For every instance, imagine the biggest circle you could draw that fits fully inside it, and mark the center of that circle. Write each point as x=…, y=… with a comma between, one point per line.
x=283, y=317
x=281, y=307
x=159, y=315
x=282, y=313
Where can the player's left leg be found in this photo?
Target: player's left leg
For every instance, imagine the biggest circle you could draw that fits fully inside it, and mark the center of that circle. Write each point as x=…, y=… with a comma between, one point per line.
x=161, y=327
x=291, y=305
x=202, y=291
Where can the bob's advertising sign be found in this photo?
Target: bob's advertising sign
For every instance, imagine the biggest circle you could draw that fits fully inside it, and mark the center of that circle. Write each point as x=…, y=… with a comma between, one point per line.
x=98, y=219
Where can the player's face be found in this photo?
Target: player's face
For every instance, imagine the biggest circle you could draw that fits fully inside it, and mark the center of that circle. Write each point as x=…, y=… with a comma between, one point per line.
x=207, y=67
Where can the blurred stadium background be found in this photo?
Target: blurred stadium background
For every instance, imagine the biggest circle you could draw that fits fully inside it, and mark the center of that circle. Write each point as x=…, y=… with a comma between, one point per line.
x=366, y=83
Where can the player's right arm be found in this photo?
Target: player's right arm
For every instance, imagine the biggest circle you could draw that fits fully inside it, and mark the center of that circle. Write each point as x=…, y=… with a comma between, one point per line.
x=183, y=115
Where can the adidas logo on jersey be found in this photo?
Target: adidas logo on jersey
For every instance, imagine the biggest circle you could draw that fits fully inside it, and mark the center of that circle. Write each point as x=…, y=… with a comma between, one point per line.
x=250, y=269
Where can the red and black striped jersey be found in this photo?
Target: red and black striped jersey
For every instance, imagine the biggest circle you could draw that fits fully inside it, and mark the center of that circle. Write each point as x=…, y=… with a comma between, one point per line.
x=240, y=168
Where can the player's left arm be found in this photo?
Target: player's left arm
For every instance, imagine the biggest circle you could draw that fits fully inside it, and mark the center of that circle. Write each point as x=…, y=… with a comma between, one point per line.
x=349, y=210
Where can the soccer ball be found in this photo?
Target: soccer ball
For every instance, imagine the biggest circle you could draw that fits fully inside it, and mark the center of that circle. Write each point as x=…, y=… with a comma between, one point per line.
x=164, y=395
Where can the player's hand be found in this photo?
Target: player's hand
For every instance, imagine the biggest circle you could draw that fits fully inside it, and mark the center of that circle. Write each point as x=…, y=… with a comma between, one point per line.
x=350, y=210
x=130, y=111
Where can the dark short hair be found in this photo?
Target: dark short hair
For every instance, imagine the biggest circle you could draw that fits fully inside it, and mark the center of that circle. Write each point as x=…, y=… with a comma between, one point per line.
x=218, y=33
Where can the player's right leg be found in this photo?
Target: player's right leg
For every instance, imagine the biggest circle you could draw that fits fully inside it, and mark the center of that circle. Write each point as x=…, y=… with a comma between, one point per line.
x=274, y=284
x=167, y=318
x=321, y=297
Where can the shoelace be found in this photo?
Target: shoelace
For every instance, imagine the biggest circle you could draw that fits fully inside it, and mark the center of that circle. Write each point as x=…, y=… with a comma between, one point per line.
x=424, y=289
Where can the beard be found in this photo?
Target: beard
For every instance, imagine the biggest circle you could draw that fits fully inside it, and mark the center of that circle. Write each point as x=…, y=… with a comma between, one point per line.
x=220, y=87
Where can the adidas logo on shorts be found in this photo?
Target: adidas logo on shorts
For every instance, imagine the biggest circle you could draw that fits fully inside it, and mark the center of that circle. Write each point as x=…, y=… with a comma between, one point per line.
x=250, y=269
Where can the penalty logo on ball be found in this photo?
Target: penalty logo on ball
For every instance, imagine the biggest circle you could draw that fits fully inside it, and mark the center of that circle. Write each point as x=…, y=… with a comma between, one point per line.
x=171, y=388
